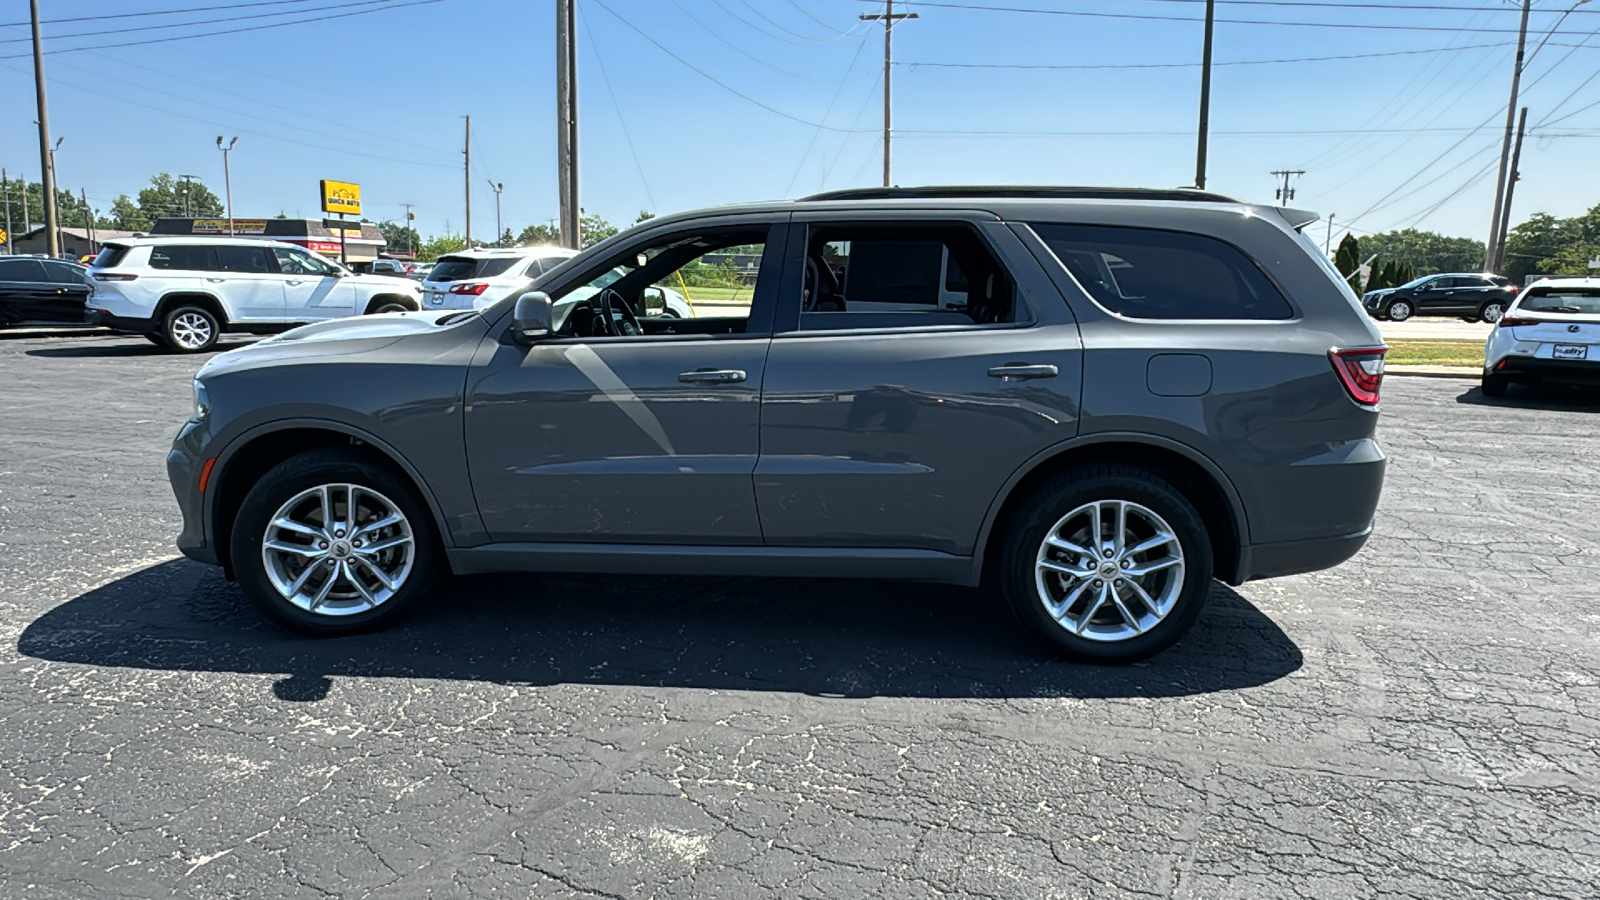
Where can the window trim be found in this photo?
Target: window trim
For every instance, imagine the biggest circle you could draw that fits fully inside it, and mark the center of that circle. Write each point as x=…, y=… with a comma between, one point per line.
x=800, y=240
x=1296, y=315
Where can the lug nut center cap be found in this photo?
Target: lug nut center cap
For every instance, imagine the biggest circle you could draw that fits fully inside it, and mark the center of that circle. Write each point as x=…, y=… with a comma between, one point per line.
x=341, y=549
x=1109, y=570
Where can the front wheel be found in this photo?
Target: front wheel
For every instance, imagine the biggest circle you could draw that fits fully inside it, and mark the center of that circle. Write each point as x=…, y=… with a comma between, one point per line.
x=329, y=543
x=1399, y=311
x=1109, y=564
x=1491, y=311
x=390, y=307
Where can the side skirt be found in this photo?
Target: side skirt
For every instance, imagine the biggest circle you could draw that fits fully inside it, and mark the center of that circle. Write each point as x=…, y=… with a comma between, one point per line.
x=675, y=559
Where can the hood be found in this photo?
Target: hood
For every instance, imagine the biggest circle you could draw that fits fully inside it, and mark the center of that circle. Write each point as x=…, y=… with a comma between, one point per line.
x=342, y=337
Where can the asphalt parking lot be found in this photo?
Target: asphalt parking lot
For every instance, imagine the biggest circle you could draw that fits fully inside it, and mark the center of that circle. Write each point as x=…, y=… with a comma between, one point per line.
x=1423, y=721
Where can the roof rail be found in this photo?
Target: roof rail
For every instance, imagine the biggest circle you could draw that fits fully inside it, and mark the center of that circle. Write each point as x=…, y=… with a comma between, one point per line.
x=1022, y=192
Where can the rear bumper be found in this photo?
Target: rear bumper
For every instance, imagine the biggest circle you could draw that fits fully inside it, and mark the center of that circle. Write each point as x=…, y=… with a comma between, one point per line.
x=1528, y=368
x=1294, y=557
x=120, y=323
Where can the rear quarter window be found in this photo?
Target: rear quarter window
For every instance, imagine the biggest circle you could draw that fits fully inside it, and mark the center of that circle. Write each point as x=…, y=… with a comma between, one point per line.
x=1149, y=274
x=187, y=257
x=111, y=256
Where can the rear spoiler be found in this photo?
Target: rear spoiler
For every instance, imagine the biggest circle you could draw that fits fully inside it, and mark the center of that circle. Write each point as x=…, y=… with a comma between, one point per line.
x=1297, y=218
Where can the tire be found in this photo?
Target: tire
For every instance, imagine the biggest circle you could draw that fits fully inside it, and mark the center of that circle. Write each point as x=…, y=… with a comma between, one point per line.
x=1495, y=385
x=1057, y=510
x=190, y=329
x=391, y=307
x=356, y=598
x=1491, y=311
x=1399, y=310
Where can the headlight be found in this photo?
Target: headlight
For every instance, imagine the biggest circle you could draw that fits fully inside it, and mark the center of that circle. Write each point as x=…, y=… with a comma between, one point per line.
x=202, y=403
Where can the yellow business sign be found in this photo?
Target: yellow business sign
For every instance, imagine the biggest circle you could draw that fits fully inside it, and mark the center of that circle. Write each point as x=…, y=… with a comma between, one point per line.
x=341, y=197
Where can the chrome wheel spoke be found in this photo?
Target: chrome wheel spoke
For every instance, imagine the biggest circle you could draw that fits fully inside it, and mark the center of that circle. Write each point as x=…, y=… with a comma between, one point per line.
x=288, y=524
x=1122, y=608
x=299, y=583
x=1068, y=546
x=1099, y=601
x=1151, y=544
x=1120, y=535
x=327, y=587
x=1143, y=569
x=380, y=546
x=1061, y=611
x=297, y=549
x=1146, y=599
x=377, y=572
x=362, y=589
x=379, y=525
x=327, y=508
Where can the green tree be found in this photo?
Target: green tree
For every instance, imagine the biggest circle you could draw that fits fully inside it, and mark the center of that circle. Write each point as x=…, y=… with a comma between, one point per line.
x=439, y=245
x=1426, y=251
x=1347, y=259
x=645, y=215
x=126, y=215
x=166, y=197
x=538, y=236
x=399, y=238
x=595, y=229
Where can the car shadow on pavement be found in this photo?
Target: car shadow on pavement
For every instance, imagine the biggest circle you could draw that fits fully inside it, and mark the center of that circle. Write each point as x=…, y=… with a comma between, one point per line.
x=1553, y=397
x=121, y=348
x=818, y=637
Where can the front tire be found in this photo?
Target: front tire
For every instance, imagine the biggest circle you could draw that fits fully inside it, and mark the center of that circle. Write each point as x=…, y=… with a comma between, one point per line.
x=1108, y=564
x=190, y=329
x=1399, y=310
x=330, y=543
x=1491, y=311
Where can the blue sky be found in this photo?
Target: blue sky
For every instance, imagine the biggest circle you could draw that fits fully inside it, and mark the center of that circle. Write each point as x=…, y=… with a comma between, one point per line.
x=378, y=98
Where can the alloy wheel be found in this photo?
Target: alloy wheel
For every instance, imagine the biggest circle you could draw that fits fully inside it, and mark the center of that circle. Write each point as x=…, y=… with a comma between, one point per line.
x=338, y=549
x=191, y=330
x=1492, y=312
x=1109, y=570
x=1399, y=311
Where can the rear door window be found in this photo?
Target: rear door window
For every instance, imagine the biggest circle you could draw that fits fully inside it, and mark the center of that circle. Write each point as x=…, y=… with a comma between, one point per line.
x=1149, y=274
x=21, y=270
x=246, y=260
x=186, y=257
x=901, y=275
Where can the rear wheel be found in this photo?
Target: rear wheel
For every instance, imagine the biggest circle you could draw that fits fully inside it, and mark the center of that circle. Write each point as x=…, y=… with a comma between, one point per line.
x=1495, y=385
x=1109, y=564
x=390, y=306
x=329, y=543
x=1491, y=311
x=190, y=329
x=1398, y=310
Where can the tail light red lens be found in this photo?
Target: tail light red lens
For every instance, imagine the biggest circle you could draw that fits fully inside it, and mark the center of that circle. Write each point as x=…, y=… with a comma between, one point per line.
x=114, y=276
x=1514, y=321
x=473, y=289
x=1361, y=371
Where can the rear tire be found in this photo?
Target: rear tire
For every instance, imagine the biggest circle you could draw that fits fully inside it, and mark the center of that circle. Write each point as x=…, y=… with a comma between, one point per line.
x=390, y=307
x=1126, y=603
x=1492, y=311
x=190, y=329
x=1495, y=385
x=1399, y=310
x=313, y=575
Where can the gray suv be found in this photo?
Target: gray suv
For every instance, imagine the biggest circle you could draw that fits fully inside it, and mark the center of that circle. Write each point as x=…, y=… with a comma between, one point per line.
x=1093, y=400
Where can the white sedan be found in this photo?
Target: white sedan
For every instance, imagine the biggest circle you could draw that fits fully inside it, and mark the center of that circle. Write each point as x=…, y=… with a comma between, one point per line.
x=1551, y=333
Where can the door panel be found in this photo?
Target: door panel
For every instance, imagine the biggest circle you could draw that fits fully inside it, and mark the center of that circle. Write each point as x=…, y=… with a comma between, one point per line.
x=647, y=441
x=312, y=288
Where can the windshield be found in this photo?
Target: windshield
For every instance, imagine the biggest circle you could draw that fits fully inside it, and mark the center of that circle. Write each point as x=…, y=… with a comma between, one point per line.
x=1563, y=300
x=460, y=268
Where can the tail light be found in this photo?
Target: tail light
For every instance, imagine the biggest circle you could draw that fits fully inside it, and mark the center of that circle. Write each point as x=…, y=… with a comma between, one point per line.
x=1513, y=289
x=114, y=276
x=1361, y=371
x=473, y=289
x=1514, y=321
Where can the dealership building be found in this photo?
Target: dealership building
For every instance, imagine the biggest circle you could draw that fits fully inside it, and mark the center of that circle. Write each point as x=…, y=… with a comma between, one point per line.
x=362, y=241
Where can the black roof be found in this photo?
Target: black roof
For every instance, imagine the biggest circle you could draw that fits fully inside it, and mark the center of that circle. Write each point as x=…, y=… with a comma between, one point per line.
x=980, y=191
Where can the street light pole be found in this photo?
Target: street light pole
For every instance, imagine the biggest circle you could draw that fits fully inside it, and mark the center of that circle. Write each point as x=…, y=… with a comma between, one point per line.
x=61, y=234
x=48, y=189
x=499, y=235
x=227, y=177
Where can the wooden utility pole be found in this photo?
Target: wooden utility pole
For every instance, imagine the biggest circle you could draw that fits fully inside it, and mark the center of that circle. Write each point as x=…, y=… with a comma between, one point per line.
x=1493, y=252
x=1205, y=100
x=5, y=186
x=567, y=122
x=1511, y=189
x=1286, y=193
x=888, y=17
x=466, y=152
x=48, y=188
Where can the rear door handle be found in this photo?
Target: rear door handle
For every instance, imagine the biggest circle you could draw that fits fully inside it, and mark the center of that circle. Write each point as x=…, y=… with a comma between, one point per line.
x=216, y=280
x=1023, y=371
x=712, y=376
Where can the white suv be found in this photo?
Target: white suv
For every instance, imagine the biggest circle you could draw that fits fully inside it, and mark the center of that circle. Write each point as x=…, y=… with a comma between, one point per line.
x=1551, y=334
x=478, y=279
x=184, y=292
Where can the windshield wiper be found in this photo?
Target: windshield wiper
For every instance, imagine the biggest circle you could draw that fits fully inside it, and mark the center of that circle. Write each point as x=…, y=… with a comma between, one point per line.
x=1558, y=309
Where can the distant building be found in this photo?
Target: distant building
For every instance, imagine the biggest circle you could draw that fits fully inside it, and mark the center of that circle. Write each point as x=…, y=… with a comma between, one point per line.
x=363, y=242
x=75, y=242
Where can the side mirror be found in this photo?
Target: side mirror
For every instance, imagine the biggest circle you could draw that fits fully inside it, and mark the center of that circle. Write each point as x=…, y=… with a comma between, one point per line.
x=530, y=320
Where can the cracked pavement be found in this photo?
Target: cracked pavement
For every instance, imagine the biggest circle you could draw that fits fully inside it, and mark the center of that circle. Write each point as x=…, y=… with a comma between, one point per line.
x=1423, y=721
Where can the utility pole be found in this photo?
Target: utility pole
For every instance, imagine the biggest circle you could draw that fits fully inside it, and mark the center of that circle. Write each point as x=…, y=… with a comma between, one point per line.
x=27, y=220
x=5, y=185
x=1286, y=193
x=1511, y=190
x=1205, y=100
x=567, y=123
x=498, y=234
x=466, y=153
x=410, y=229
x=48, y=188
x=889, y=17
x=61, y=234
x=88, y=219
x=1327, y=242
x=1493, y=251
x=227, y=176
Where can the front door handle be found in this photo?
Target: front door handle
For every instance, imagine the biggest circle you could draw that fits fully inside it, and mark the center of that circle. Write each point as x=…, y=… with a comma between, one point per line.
x=712, y=376
x=1023, y=371
x=216, y=280
x=293, y=281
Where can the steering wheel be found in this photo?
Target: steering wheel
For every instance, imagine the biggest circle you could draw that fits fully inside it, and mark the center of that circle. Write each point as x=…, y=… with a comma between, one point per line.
x=813, y=284
x=611, y=301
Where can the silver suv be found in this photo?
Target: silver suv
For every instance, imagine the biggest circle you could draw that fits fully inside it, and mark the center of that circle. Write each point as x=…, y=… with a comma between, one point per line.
x=1094, y=400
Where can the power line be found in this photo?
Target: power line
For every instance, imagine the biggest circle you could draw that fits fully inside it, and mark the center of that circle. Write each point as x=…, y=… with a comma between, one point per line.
x=244, y=30
x=843, y=79
x=707, y=76
x=594, y=47
x=1194, y=65
x=167, y=25
x=741, y=50
x=778, y=37
x=155, y=12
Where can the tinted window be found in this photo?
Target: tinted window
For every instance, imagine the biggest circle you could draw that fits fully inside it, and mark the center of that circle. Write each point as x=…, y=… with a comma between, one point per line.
x=292, y=261
x=244, y=259
x=888, y=276
x=1563, y=300
x=111, y=255
x=189, y=257
x=459, y=268
x=63, y=273
x=21, y=270
x=1148, y=274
